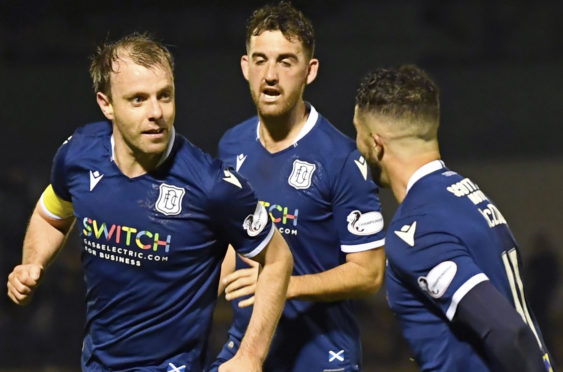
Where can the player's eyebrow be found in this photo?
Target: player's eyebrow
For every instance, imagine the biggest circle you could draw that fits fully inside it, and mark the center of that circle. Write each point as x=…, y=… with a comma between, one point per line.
x=279, y=57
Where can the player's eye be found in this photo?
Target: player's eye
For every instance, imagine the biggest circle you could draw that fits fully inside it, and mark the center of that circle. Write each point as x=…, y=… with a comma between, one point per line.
x=137, y=100
x=285, y=63
x=165, y=96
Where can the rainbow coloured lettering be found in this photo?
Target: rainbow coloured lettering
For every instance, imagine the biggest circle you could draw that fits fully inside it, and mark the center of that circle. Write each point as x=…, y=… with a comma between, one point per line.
x=125, y=234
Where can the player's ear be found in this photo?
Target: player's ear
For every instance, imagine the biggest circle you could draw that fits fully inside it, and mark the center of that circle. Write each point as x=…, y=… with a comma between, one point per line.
x=105, y=105
x=244, y=66
x=378, y=145
x=312, y=70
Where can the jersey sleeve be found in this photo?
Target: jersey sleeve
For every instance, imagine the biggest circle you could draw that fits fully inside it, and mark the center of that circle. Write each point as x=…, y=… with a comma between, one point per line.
x=56, y=200
x=433, y=262
x=59, y=171
x=224, y=151
x=238, y=215
x=356, y=207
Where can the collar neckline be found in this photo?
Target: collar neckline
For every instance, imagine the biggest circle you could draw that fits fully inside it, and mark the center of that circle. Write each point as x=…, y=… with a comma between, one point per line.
x=426, y=169
x=164, y=156
x=309, y=124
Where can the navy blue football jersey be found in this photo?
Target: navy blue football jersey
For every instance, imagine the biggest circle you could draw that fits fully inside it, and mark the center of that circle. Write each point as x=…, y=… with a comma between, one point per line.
x=321, y=197
x=152, y=248
x=446, y=237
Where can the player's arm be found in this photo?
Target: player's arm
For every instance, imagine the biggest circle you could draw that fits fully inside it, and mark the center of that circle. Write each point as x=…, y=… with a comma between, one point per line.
x=227, y=268
x=508, y=341
x=44, y=237
x=271, y=287
x=361, y=275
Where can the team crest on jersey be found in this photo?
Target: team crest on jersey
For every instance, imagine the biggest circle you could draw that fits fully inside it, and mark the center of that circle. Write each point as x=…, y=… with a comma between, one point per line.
x=438, y=279
x=255, y=223
x=170, y=199
x=302, y=174
x=364, y=223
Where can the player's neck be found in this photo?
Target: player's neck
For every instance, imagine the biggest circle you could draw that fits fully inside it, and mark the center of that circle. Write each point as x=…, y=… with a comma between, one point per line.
x=402, y=170
x=133, y=164
x=279, y=132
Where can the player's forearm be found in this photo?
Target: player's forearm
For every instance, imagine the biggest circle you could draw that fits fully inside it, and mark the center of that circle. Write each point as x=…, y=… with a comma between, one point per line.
x=43, y=238
x=346, y=281
x=269, y=302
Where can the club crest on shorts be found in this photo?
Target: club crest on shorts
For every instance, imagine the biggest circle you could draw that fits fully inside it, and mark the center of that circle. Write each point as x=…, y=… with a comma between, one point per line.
x=302, y=174
x=170, y=199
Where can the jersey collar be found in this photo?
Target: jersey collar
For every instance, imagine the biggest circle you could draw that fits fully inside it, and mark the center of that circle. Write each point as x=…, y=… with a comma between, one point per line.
x=309, y=124
x=426, y=169
x=162, y=158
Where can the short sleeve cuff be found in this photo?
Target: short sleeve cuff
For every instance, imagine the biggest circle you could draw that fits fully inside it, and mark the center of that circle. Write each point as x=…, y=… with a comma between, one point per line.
x=262, y=244
x=352, y=248
x=462, y=291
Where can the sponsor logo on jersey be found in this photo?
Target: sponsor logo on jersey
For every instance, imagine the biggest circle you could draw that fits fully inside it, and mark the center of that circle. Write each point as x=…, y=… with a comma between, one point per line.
x=301, y=175
x=125, y=235
x=255, y=223
x=362, y=166
x=407, y=233
x=95, y=177
x=364, y=223
x=438, y=279
x=170, y=199
x=231, y=178
x=240, y=159
x=285, y=222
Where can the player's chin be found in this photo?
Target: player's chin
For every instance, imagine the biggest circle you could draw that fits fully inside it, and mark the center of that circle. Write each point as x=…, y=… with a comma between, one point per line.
x=270, y=110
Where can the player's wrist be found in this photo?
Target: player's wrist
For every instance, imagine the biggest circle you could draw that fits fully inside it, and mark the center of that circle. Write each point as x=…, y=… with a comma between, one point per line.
x=291, y=292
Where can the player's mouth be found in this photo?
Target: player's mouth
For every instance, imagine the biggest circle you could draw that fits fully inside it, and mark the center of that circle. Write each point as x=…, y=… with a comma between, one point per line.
x=270, y=94
x=155, y=133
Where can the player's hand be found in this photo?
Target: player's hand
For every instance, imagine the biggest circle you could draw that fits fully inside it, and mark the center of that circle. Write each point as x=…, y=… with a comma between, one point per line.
x=241, y=364
x=242, y=282
x=22, y=281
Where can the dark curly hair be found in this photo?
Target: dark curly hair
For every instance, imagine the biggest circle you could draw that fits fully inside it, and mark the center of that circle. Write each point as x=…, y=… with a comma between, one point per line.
x=142, y=48
x=285, y=18
x=405, y=92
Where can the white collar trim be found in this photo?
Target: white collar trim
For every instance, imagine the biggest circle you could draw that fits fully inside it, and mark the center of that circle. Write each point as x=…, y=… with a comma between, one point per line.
x=425, y=170
x=164, y=155
x=309, y=124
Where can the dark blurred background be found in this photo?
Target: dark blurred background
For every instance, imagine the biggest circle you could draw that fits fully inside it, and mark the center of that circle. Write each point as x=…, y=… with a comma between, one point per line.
x=499, y=65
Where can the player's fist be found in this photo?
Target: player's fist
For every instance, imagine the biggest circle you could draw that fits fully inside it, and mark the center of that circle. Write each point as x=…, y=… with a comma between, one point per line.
x=22, y=281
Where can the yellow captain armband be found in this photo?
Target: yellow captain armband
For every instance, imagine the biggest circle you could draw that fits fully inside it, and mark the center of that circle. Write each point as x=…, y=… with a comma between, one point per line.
x=547, y=363
x=54, y=206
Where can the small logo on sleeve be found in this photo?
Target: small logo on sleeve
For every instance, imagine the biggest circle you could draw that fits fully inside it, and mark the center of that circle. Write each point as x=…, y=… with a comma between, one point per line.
x=230, y=178
x=170, y=199
x=407, y=233
x=240, y=159
x=255, y=223
x=438, y=279
x=362, y=166
x=301, y=175
x=95, y=177
x=364, y=223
